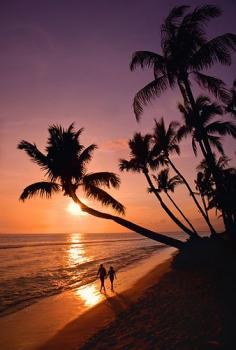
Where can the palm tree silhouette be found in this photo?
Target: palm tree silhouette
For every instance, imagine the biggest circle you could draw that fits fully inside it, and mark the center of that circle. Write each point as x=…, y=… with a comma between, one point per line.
x=206, y=131
x=199, y=124
x=231, y=100
x=65, y=167
x=143, y=158
x=167, y=143
x=206, y=186
x=186, y=52
x=168, y=184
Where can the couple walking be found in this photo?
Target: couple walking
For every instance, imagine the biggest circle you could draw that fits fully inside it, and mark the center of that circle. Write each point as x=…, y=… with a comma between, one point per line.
x=102, y=273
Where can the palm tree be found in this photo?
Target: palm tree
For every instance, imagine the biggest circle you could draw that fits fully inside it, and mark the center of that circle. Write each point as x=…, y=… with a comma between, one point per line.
x=204, y=186
x=142, y=158
x=199, y=124
x=207, y=187
x=166, y=184
x=186, y=52
x=206, y=131
x=231, y=100
x=65, y=167
x=166, y=143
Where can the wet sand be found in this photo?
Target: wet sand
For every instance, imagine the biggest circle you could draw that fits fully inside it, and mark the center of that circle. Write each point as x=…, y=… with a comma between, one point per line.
x=187, y=309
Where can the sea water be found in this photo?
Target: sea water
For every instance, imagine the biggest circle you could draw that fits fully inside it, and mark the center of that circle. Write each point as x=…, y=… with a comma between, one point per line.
x=34, y=266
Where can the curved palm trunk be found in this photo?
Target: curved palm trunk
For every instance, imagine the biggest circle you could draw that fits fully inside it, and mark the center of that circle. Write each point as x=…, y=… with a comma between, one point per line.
x=193, y=196
x=167, y=210
x=181, y=213
x=172, y=242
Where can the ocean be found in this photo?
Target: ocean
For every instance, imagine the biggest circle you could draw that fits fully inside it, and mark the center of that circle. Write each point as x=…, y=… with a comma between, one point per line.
x=34, y=266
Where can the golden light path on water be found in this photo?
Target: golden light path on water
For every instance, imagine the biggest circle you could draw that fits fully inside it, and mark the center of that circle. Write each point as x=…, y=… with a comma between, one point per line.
x=76, y=255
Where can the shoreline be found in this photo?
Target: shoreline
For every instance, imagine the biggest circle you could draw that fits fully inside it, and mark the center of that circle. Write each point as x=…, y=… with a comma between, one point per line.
x=46, y=321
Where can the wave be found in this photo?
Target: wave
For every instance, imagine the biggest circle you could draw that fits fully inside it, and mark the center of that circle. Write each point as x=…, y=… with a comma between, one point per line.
x=115, y=240
x=22, y=291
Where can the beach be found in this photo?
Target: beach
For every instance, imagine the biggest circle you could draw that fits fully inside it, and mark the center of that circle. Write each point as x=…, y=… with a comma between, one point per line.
x=192, y=307
x=154, y=306
x=68, y=320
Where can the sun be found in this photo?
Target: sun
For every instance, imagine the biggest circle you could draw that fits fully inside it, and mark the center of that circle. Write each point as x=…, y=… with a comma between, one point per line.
x=74, y=209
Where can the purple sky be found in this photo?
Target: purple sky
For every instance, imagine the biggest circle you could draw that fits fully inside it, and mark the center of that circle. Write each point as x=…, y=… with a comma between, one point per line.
x=65, y=61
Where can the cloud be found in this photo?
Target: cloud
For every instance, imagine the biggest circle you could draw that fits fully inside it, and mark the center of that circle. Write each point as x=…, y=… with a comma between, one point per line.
x=114, y=145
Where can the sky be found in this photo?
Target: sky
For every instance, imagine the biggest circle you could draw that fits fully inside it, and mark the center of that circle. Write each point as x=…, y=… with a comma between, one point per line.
x=65, y=61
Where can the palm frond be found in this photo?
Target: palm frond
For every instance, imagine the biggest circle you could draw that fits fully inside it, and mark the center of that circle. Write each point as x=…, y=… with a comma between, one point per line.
x=103, y=197
x=215, y=141
x=148, y=59
x=222, y=128
x=183, y=132
x=34, y=153
x=202, y=101
x=200, y=16
x=86, y=155
x=175, y=14
x=42, y=189
x=194, y=147
x=205, y=12
x=173, y=182
x=129, y=165
x=216, y=50
x=212, y=84
x=146, y=94
x=106, y=179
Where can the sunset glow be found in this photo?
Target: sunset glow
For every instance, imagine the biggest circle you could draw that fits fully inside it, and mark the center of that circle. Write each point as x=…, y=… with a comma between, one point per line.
x=118, y=174
x=74, y=209
x=50, y=75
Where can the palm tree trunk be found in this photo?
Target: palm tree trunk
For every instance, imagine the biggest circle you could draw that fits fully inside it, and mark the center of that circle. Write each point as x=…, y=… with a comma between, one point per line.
x=172, y=242
x=181, y=213
x=183, y=92
x=167, y=210
x=204, y=205
x=193, y=196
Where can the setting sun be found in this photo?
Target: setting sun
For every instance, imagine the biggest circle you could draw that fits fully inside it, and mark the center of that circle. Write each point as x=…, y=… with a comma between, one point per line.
x=74, y=209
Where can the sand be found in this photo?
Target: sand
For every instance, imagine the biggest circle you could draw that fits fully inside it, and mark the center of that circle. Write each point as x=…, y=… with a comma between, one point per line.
x=67, y=320
x=155, y=306
x=187, y=309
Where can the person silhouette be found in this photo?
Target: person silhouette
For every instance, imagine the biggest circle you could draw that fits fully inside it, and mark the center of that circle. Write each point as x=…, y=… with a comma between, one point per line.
x=102, y=273
x=112, y=275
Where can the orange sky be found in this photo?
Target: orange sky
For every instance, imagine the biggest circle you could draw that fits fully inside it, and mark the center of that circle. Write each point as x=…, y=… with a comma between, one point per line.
x=72, y=64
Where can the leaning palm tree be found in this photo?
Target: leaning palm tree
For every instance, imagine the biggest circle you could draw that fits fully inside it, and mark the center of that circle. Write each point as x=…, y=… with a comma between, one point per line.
x=166, y=143
x=168, y=184
x=143, y=159
x=186, y=52
x=65, y=167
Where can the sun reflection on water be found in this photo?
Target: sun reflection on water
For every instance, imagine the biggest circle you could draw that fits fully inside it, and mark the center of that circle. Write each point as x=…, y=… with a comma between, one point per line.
x=76, y=252
x=77, y=255
x=90, y=295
